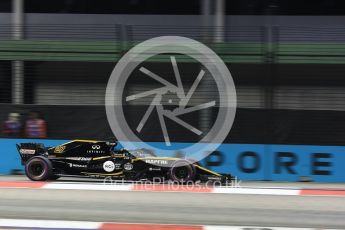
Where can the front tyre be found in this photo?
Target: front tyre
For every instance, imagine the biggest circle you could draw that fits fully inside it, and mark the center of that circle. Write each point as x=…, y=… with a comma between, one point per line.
x=181, y=172
x=39, y=169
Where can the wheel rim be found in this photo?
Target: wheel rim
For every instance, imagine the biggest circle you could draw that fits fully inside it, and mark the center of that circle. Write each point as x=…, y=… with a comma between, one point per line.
x=36, y=169
x=181, y=173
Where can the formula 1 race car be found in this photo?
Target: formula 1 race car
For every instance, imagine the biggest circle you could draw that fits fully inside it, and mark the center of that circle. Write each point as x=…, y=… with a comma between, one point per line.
x=100, y=159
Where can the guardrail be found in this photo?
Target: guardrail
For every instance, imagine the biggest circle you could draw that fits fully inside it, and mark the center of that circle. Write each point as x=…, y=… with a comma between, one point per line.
x=108, y=51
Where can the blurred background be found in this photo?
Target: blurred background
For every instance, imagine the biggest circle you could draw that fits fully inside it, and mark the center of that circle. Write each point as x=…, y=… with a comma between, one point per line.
x=287, y=59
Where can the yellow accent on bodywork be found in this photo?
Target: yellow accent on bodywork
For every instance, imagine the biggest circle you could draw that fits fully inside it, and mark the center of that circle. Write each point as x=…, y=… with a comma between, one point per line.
x=85, y=141
x=99, y=158
x=59, y=149
x=207, y=170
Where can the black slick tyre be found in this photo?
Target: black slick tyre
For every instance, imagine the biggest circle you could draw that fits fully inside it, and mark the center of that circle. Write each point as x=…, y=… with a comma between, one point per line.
x=181, y=172
x=39, y=169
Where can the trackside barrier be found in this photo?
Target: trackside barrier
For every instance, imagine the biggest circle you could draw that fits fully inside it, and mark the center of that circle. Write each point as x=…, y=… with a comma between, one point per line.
x=246, y=161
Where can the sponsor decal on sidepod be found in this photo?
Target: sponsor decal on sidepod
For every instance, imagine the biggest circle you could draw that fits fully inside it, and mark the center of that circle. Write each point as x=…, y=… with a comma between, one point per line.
x=156, y=162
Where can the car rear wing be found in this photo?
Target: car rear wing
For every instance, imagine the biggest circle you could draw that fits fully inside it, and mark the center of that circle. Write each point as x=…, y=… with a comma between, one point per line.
x=29, y=150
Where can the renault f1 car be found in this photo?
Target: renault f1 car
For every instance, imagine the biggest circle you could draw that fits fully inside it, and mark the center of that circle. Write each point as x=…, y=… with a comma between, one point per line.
x=101, y=159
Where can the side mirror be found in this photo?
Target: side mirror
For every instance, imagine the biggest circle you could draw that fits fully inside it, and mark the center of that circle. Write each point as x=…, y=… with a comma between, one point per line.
x=112, y=142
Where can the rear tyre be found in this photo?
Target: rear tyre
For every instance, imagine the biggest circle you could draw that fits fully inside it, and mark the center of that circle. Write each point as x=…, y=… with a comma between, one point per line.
x=39, y=169
x=181, y=172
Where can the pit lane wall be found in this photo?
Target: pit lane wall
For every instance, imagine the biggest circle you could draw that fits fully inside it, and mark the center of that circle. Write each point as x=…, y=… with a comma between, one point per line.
x=246, y=161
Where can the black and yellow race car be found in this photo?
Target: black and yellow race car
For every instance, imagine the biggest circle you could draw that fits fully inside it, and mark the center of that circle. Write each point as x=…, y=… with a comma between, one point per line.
x=101, y=159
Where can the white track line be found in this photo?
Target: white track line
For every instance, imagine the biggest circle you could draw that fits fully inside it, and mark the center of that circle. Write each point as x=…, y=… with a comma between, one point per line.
x=255, y=228
x=129, y=187
x=22, y=223
x=59, y=224
x=101, y=187
x=257, y=191
x=172, y=188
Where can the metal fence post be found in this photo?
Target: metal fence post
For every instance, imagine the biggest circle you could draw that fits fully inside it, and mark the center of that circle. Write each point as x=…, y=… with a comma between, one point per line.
x=17, y=66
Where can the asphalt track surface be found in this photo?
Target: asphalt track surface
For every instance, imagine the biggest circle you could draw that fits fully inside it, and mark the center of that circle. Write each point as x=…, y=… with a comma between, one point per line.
x=176, y=208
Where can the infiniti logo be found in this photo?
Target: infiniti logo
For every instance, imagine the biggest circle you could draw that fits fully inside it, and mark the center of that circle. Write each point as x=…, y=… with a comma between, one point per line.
x=96, y=147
